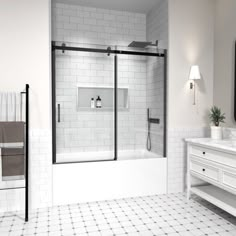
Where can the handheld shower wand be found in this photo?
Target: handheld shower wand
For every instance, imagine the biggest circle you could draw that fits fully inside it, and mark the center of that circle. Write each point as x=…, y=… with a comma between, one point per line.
x=154, y=121
x=148, y=144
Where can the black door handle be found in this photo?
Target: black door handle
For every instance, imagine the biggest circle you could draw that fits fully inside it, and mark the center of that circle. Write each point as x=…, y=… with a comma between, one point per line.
x=59, y=113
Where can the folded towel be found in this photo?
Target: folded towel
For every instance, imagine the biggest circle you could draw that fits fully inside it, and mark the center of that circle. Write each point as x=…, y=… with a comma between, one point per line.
x=13, y=164
x=11, y=132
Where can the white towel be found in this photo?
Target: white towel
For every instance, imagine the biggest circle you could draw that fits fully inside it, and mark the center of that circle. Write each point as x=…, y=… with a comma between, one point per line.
x=10, y=106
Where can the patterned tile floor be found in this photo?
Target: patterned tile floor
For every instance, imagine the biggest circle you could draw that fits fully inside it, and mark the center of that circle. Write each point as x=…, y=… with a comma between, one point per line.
x=152, y=215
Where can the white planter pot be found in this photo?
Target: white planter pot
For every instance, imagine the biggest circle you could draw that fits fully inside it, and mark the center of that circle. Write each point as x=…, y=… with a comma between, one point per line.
x=216, y=132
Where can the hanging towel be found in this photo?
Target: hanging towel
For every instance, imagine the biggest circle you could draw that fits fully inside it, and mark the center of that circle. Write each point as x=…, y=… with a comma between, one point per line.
x=10, y=106
x=13, y=164
x=11, y=134
x=12, y=151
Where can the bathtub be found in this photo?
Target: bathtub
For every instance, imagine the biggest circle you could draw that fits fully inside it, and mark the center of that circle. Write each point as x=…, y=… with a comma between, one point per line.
x=135, y=173
x=105, y=155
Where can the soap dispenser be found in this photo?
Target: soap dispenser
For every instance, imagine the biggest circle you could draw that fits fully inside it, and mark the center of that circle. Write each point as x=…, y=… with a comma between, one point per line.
x=99, y=102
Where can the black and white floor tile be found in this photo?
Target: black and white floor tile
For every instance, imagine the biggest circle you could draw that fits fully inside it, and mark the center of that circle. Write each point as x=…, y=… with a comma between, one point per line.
x=142, y=216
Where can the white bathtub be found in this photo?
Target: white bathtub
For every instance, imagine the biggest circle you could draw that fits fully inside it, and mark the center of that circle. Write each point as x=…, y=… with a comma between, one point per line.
x=105, y=155
x=140, y=173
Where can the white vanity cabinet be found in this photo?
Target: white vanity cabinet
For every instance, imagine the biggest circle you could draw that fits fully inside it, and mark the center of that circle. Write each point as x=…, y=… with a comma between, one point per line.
x=213, y=162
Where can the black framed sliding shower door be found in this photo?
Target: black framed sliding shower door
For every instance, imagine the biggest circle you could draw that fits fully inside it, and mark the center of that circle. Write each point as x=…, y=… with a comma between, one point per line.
x=84, y=107
x=100, y=99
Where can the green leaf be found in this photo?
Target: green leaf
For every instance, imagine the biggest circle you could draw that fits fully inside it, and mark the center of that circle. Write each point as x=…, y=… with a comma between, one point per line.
x=216, y=116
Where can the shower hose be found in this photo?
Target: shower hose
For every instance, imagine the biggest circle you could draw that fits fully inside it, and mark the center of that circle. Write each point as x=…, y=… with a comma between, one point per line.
x=149, y=144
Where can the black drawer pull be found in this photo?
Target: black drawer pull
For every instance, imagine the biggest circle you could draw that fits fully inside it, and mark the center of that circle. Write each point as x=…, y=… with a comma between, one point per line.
x=203, y=170
x=203, y=153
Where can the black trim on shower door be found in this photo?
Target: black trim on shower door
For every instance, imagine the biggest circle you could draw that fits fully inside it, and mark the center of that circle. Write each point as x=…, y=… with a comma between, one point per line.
x=115, y=106
x=53, y=84
x=53, y=104
x=235, y=83
x=165, y=105
x=81, y=162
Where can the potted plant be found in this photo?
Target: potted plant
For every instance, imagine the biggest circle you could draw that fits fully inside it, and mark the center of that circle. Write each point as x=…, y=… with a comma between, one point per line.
x=216, y=117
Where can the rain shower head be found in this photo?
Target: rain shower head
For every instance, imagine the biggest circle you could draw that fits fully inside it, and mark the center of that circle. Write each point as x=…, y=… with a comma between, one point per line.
x=139, y=44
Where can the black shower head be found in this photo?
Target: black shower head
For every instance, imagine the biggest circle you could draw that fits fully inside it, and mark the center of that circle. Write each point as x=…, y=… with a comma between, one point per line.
x=140, y=44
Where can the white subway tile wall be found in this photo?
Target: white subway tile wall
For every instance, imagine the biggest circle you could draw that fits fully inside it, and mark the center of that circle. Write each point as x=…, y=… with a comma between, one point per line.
x=73, y=23
x=40, y=168
x=85, y=131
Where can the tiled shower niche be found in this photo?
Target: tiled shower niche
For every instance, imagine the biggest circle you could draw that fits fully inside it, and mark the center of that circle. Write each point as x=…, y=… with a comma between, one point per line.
x=106, y=94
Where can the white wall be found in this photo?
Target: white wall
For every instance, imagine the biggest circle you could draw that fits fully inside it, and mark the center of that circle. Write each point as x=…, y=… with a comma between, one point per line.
x=25, y=58
x=191, y=32
x=157, y=24
x=191, y=41
x=225, y=36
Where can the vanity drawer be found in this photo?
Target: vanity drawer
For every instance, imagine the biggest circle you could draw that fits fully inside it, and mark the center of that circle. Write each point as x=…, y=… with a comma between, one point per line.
x=213, y=155
x=229, y=179
x=204, y=170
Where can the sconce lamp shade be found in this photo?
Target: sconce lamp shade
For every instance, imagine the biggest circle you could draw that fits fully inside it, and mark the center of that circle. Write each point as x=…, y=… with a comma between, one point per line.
x=194, y=73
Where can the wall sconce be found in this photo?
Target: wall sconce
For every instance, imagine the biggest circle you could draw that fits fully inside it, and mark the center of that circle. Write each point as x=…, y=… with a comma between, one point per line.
x=194, y=75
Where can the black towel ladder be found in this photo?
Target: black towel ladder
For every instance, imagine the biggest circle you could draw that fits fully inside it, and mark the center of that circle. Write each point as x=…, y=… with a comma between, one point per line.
x=26, y=187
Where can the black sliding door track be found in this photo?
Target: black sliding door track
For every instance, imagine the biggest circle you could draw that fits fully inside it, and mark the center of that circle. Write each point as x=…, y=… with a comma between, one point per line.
x=108, y=51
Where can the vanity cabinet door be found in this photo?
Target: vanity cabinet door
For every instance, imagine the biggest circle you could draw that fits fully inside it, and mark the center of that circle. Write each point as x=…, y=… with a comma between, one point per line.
x=204, y=170
x=214, y=156
x=229, y=179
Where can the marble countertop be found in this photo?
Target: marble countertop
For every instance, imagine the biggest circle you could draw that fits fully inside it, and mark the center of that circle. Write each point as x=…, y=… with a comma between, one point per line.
x=224, y=144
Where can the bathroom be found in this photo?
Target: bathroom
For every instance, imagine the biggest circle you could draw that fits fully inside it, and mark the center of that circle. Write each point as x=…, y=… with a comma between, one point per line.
x=108, y=117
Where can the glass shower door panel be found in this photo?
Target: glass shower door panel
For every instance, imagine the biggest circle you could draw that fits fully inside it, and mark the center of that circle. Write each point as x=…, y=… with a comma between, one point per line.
x=141, y=125
x=132, y=121
x=155, y=104
x=85, y=106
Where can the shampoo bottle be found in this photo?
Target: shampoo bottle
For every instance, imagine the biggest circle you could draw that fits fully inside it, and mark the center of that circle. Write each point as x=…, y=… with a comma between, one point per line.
x=92, y=103
x=99, y=102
